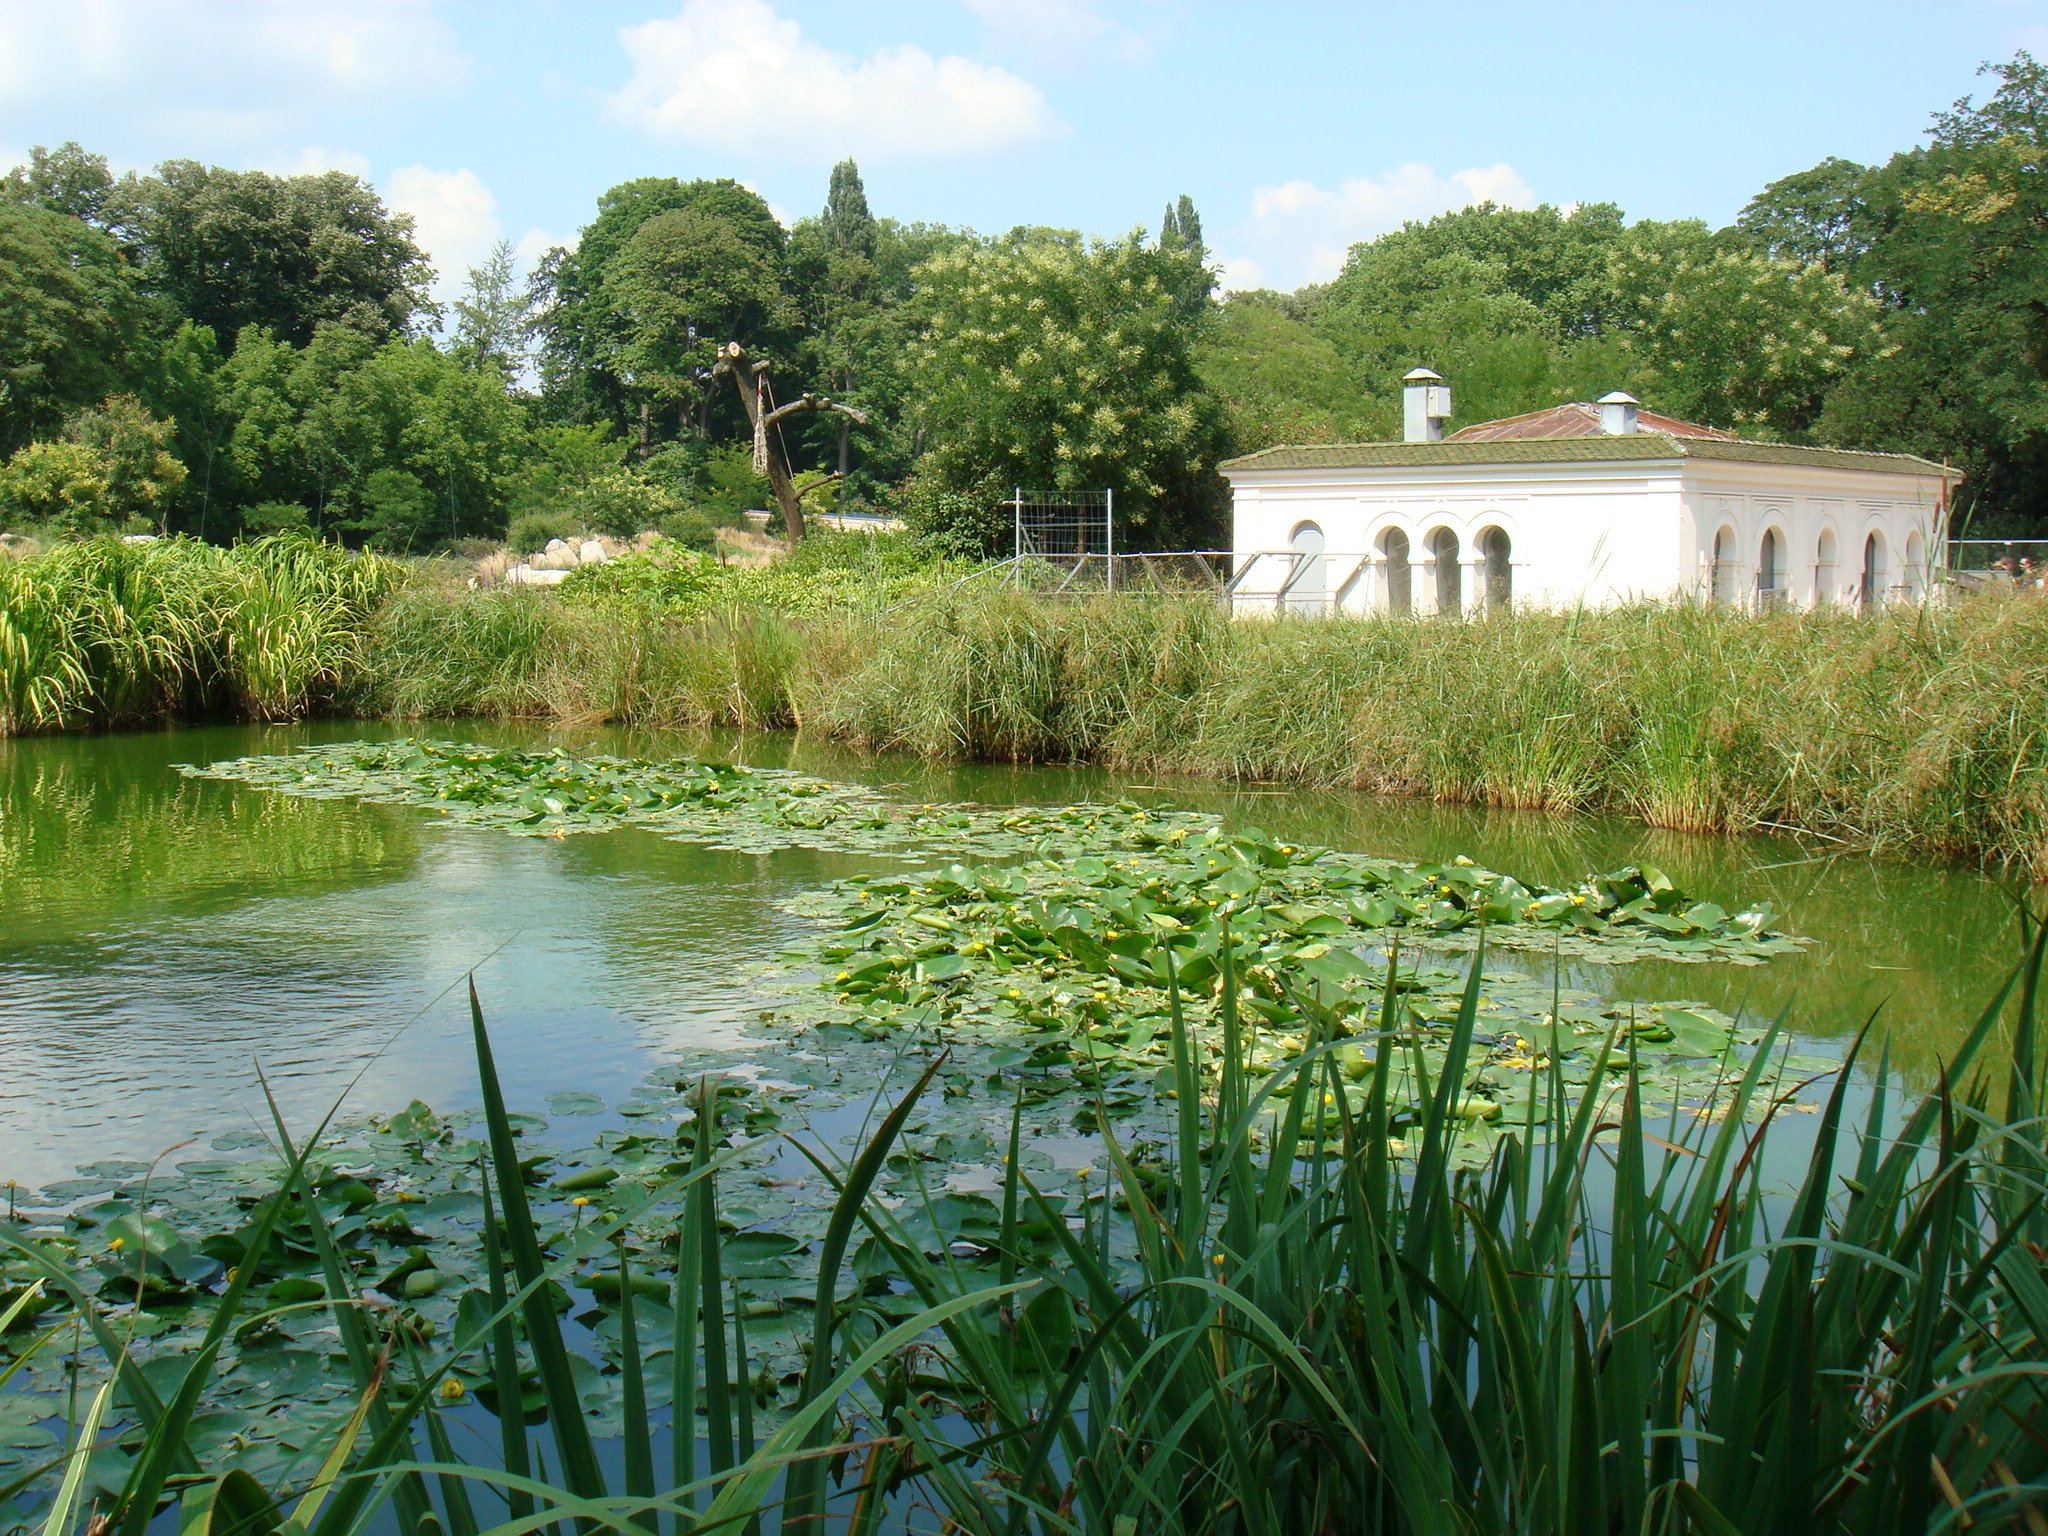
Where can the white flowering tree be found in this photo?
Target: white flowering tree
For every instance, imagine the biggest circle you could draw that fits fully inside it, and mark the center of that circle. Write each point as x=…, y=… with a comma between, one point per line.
x=1055, y=364
x=1737, y=338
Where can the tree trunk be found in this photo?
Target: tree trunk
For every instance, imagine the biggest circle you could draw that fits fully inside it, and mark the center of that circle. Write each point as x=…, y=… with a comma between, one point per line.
x=646, y=428
x=778, y=476
x=746, y=379
x=845, y=443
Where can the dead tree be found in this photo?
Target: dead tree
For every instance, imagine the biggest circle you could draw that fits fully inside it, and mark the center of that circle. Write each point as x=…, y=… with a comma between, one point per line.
x=750, y=378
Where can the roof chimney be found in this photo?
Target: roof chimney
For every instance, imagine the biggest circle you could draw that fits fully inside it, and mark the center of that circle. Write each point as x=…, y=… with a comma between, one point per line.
x=1425, y=406
x=1618, y=413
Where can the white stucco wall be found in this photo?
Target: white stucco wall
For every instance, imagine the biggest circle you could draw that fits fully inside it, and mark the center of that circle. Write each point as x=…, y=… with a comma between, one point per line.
x=1581, y=532
x=1801, y=505
x=1600, y=533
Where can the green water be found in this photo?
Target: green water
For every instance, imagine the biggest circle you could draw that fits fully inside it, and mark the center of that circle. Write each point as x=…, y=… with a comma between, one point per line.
x=162, y=938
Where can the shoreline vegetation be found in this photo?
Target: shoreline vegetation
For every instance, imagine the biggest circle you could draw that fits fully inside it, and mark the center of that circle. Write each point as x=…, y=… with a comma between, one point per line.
x=1912, y=732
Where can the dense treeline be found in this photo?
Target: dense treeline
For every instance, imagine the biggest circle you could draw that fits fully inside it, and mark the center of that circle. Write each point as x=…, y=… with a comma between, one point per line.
x=1898, y=306
x=230, y=352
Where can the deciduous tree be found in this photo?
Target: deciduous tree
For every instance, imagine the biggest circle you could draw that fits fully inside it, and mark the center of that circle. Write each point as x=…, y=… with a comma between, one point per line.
x=71, y=321
x=232, y=250
x=1057, y=364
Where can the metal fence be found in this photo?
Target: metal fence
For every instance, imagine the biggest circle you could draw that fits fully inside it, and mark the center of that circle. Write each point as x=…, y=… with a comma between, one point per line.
x=1262, y=581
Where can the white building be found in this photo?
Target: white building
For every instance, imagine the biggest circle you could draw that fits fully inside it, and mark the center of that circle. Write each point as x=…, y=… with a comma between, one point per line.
x=1580, y=504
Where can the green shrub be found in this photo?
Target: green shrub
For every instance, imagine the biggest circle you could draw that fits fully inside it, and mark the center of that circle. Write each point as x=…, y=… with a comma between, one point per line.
x=60, y=485
x=730, y=486
x=624, y=502
x=685, y=582
x=689, y=529
x=275, y=517
x=972, y=524
x=531, y=532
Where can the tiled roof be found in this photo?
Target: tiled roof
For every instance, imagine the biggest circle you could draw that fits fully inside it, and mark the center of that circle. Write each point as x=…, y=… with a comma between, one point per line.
x=1575, y=420
x=1636, y=446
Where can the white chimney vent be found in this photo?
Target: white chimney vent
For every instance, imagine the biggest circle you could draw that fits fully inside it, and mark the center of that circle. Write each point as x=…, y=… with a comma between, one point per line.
x=1425, y=406
x=1618, y=413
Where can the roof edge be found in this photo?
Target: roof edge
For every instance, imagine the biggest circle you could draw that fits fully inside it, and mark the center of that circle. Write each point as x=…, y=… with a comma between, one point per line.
x=1637, y=447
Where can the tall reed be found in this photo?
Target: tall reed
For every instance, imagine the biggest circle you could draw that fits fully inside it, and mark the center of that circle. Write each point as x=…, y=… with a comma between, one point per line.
x=1304, y=1315
x=103, y=632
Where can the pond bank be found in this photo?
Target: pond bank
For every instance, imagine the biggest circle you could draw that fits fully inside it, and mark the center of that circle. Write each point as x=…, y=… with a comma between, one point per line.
x=1918, y=733
x=1914, y=733
x=187, y=926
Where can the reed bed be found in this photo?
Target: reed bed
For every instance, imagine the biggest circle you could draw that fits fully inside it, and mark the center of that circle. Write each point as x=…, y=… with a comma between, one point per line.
x=106, y=633
x=1920, y=732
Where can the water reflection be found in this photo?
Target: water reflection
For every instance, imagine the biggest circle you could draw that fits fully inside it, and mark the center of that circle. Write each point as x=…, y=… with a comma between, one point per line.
x=160, y=936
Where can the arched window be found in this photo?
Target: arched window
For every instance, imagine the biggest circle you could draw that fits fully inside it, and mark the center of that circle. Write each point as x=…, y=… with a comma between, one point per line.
x=1876, y=575
x=1722, y=582
x=1495, y=551
x=1400, y=576
x=1916, y=567
x=1824, y=569
x=1770, y=570
x=1308, y=585
x=1443, y=562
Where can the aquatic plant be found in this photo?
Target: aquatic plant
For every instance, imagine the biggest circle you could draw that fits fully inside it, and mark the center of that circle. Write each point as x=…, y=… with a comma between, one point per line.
x=102, y=632
x=1256, y=1318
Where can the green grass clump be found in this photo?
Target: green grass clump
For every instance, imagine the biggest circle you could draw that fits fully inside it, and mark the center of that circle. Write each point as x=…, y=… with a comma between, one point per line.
x=102, y=632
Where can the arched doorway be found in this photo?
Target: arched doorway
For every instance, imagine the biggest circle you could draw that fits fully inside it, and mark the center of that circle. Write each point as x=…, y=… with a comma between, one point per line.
x=1721, y=581
x=1308, y=589
x=1495, y=552
x=1770, y=570
x=1916, y=567
x=1443, y=562
x=1399, y=575
x=1870, y=590
x=1824, y=569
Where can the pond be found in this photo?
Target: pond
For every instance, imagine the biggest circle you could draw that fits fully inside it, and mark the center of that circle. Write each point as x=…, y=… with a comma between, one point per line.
x=162, y=937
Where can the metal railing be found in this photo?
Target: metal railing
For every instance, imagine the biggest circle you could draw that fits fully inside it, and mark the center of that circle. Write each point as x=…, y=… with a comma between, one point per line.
x=1249, y=581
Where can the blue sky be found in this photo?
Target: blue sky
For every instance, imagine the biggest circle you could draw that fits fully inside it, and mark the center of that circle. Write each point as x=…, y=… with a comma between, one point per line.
x=1297, y=128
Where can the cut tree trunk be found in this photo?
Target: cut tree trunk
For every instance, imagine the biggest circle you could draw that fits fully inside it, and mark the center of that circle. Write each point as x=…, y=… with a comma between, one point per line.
x=748, y=378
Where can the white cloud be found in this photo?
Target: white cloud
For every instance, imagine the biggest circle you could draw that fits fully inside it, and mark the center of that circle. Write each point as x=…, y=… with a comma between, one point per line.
x=316, y=158
x=734, y=74
x=455, y=220
x=536, y=243
x=1300, y=232
x=367, y=47
x=190, y=54
x=1067, y=31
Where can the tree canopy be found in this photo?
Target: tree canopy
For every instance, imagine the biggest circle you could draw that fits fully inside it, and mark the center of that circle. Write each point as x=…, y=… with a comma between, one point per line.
x=1067, y=364
x=271, y=342
x=231, y=250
